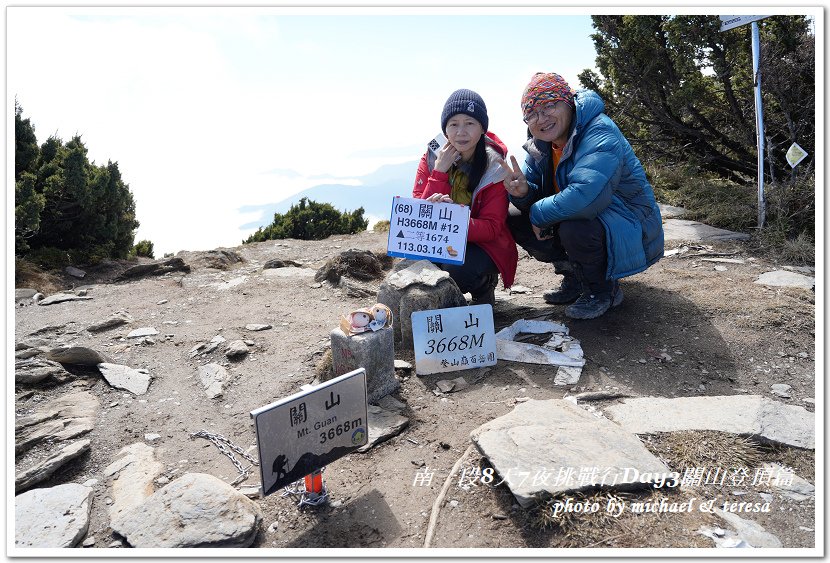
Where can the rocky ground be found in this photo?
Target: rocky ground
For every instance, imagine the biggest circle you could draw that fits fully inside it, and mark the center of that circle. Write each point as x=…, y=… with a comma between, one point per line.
x=688, y=327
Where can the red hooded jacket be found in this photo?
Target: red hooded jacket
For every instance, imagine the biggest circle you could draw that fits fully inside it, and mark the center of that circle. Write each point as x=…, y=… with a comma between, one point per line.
x=488, y=210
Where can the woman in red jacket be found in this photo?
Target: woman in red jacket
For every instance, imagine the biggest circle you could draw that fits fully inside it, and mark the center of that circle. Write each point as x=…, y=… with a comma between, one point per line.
x=466, y=170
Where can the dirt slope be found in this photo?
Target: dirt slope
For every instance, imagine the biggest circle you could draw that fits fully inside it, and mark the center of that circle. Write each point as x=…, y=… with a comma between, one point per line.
x=725, y=335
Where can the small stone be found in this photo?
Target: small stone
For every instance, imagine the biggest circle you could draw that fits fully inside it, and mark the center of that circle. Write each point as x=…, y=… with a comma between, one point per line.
x=454, y=503
x=236, y=349
x=418, y=462
x=499, y=516
x=162, y=302
x=782, y=390
x=250, y=492
x=89, y=542
x=273, y=527
x=161, y=481
x=445, y=386
x=75, y=272
x=520, y=289
x=336, y=503
x=116, y=543
x=401, y=364
x=142, y=332
x=152, y=437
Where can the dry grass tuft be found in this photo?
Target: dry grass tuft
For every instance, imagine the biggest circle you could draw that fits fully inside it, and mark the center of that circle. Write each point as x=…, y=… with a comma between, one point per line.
x=628, y=529
x=802, y=461
x=324, y=367
x=575, y=525
x=698, y=448
x=361, y=265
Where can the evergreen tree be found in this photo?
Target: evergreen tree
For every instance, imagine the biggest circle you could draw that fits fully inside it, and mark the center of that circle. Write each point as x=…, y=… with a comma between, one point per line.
x=25, y=142
x=682, y=90
x=62, y=201
x=28, y=204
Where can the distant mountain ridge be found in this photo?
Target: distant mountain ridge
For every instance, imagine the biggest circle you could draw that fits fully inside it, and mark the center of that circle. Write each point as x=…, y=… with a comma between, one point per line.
x=374, y=195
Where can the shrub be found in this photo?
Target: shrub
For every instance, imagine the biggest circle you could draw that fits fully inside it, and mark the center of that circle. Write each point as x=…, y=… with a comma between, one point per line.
x=143, y=248
x=381, y=227
x=789, y=227
x=49, y=258
x=310, y=220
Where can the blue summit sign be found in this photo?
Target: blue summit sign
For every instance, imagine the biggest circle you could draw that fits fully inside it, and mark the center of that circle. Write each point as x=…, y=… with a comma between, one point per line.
x=426, y=230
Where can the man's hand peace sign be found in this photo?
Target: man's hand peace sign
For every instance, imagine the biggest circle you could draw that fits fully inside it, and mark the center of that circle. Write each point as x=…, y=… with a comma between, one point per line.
x=515, y=182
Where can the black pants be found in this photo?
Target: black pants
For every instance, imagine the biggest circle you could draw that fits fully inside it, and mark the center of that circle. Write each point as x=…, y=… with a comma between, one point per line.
x=581, y=241
x=476, y=273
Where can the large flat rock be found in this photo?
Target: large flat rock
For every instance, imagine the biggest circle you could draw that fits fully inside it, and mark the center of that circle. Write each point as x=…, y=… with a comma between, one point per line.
x=784, y=278
x=61, y=297
x=541, y=447
x=124, y=377
x=195, y=510
x=745, y=415
x=681, y=229
x=53, y=517
x=670, y=211
x=46, y=468
x=64, y=418
x=34, y=370
x=132, y=473
x=383, y=424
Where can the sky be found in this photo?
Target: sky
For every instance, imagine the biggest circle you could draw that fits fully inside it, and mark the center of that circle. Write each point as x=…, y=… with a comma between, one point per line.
x=209, y=109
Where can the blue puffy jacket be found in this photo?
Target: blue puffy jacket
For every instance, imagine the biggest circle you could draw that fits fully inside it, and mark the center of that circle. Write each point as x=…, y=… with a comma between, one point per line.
x=599, y=176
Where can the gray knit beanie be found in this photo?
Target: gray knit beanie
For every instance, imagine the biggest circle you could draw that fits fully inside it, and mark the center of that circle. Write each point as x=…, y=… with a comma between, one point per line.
x=466, y=102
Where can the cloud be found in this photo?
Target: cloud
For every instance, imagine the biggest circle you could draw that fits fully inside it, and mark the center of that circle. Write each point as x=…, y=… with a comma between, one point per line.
x=205, y=109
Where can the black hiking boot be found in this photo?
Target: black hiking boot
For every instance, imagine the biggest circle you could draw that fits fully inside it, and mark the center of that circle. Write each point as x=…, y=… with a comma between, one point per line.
x=593, y=305
x=486, y=295
x=570, y=288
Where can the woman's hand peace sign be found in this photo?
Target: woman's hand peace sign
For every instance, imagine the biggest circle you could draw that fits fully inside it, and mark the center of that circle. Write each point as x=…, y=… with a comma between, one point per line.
x=515, y=182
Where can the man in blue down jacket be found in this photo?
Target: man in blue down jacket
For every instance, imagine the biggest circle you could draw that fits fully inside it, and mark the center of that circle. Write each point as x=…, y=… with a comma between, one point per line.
x=583, y=201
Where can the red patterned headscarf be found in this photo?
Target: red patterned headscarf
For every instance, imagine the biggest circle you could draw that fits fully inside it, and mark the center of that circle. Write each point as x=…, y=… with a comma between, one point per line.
x=546, y=87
